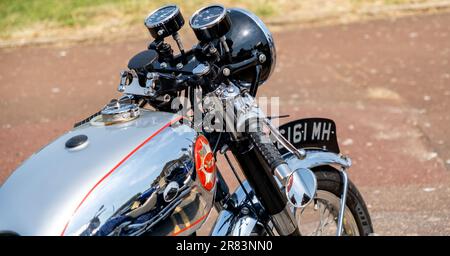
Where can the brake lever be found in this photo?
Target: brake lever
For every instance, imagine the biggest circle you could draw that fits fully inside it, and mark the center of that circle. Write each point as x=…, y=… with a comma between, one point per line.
x=278, y=117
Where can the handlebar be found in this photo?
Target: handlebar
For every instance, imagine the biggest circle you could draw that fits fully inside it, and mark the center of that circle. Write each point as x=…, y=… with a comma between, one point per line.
x=160, y=81
x=185, y=80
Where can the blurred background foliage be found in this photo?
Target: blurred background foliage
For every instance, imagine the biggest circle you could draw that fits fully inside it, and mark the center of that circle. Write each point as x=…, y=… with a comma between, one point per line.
x=34, y=18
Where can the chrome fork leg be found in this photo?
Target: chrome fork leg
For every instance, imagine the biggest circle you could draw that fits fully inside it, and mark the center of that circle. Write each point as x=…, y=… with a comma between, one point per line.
x=343, y=201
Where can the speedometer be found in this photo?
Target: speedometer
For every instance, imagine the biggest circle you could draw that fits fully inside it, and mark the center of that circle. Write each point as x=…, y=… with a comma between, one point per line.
x=165, y=21
x=210, y=22
x=160, y=15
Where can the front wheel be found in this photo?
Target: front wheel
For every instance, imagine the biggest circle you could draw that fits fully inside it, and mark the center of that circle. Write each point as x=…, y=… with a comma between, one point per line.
x=319, y=218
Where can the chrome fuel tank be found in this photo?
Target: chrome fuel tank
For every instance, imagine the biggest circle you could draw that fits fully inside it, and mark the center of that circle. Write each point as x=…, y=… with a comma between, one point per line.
x=132, y=178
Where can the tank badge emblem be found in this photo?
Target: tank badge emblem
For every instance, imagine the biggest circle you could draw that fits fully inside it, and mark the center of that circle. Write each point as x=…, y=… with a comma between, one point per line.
x=205, y=163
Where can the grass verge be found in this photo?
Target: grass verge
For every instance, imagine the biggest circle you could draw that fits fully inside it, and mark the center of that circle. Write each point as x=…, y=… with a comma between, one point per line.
x=35, y=20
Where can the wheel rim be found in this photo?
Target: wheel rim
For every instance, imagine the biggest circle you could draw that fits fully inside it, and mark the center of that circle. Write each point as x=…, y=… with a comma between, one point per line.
x=319, y=218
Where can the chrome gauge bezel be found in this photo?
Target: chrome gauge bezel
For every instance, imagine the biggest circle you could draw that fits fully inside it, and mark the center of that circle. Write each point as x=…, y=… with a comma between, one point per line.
x=211, y=23
x=165, y=20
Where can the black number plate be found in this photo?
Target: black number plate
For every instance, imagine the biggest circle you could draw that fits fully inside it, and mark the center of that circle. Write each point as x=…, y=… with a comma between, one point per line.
x=310, y=133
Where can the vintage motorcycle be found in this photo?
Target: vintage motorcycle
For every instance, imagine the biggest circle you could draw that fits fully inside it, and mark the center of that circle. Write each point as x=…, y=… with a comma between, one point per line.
x=146, y=165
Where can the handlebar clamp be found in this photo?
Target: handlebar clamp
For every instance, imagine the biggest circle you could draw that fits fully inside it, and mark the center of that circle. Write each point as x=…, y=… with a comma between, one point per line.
x=129, y=84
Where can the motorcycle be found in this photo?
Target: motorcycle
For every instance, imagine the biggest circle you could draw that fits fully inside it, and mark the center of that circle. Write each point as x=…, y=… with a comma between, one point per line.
x=145, y=164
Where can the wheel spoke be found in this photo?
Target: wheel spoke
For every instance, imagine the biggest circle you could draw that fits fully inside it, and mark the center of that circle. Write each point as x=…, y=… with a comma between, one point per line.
x=327, y=222
x=321, y=218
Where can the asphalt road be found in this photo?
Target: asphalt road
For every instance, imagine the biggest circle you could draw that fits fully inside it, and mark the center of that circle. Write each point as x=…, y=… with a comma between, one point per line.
x=386, y=83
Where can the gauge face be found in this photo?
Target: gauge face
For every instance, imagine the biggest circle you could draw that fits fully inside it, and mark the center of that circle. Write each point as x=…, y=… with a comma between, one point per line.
x=161, y=15
x=164, y=22
x=208, y=16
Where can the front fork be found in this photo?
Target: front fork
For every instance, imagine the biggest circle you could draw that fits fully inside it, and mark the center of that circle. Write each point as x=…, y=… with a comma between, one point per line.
x=260, y=177
x=260, y=162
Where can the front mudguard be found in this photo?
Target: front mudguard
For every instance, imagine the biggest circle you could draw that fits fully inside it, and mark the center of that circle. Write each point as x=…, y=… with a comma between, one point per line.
x=238, y=222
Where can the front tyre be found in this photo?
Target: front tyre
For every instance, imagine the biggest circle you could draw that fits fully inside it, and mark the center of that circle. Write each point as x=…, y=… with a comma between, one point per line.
x=319, y=218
